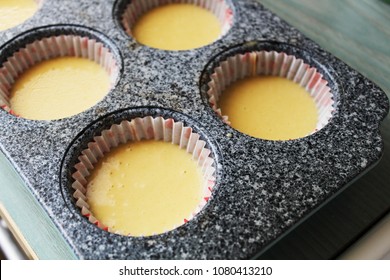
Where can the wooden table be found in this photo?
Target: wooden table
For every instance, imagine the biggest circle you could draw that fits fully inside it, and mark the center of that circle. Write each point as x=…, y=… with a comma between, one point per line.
x=357, y=32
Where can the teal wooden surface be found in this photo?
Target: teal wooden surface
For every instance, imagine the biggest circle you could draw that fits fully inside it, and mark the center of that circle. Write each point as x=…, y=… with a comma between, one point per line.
x=356, y=31
x=34, y=223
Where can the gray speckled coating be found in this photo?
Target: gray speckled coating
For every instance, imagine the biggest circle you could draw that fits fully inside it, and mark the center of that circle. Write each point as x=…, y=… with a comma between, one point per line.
x=263, y=188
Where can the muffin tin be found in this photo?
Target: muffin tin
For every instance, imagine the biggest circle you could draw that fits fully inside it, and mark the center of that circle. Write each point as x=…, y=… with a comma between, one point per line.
x=262, y=188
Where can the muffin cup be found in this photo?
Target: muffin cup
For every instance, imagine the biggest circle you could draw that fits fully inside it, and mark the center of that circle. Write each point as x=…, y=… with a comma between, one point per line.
x=139, y=129
x=272, y=63
x=49, y=48
x=136, y=8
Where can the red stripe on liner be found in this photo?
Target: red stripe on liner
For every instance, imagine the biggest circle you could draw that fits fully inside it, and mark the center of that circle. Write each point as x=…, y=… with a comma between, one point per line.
x=84, y=43
x=169, y=123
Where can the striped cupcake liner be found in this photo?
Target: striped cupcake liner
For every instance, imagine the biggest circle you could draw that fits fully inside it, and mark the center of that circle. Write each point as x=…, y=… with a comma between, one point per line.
x=49, y=48
x=137, y=8
x=272, y=63
x=139, y=129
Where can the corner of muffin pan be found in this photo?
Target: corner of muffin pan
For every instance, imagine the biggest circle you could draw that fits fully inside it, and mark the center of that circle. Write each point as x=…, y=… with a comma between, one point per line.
x=54, y=41
x=136, y=124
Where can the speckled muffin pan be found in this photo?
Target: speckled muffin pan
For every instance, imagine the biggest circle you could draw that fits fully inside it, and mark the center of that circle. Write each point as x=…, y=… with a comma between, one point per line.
x=262, y=188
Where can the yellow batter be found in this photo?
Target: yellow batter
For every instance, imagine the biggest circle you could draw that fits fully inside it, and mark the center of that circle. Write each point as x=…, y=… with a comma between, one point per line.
x=144, y=188
x=59, y=88
x=14, y=12
x=271, y=108
x=177, y=27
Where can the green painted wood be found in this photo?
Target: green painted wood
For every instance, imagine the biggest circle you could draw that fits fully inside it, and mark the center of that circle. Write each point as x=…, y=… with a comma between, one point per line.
x=356, y=31
x=32, y=221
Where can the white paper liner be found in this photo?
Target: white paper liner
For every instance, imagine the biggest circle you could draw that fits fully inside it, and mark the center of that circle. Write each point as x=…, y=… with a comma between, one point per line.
x=48, y=48
x=39, y=3
x=275, y=64
x=139, y=129
x=137, y=8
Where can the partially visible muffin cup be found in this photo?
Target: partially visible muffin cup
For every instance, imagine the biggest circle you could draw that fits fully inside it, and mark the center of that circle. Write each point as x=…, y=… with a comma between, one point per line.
x=133, y=10
x=271, y=63
x=21, y=10
x=48, y=48
x=140, y=129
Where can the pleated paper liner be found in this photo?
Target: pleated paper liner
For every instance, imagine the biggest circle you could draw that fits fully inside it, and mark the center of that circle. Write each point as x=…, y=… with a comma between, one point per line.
x=136, y=8
x=139, y=129
x=272, y=63
x=50, y=48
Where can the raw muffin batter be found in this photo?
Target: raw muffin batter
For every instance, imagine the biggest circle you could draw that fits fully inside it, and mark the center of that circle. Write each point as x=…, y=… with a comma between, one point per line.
x=269, y=107
x=59, y=88
x=144, y=188
x=177, y=27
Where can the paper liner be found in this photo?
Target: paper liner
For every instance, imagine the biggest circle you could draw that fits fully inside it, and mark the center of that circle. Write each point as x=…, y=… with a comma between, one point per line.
x=48, y=48
x=137, y=8
x=39, y=2
x=275, y=64
x=139, y=129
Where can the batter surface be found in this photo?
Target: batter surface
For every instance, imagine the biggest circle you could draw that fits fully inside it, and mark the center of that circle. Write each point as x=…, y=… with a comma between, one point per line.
x=59, y=88
x=177, y=27
x=268, y=107
x=144, y=188
x=14, y=12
